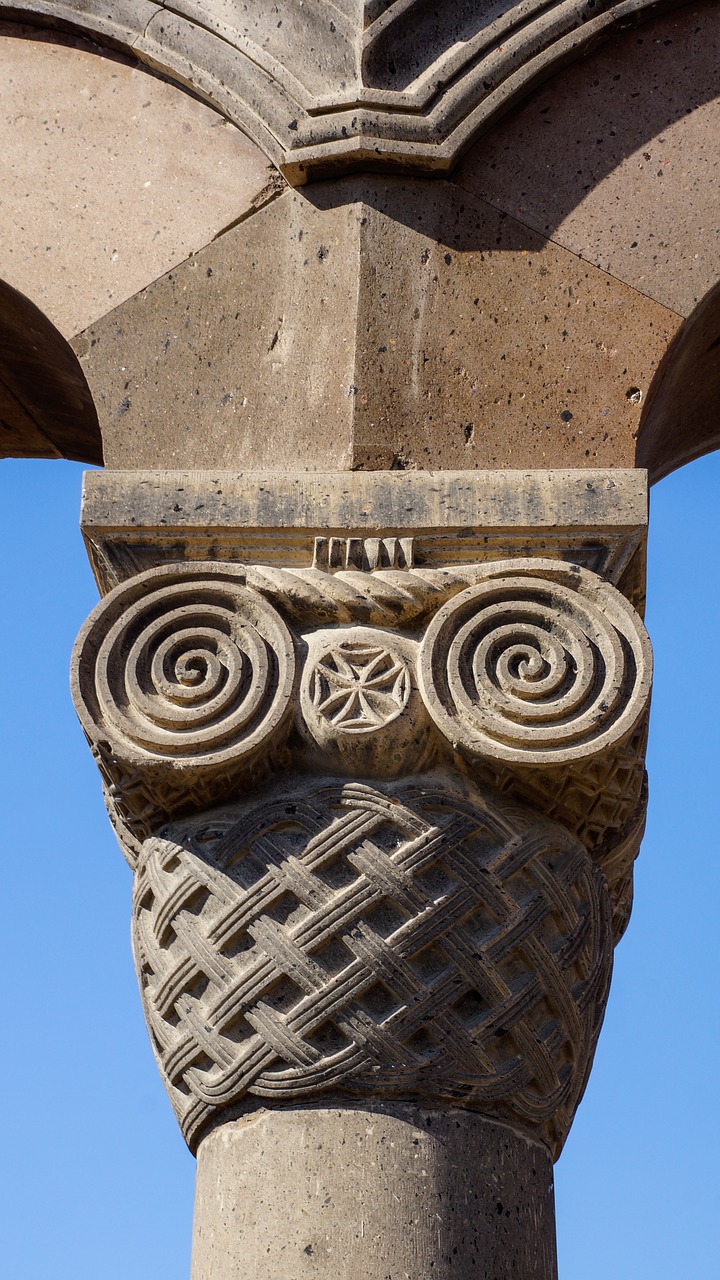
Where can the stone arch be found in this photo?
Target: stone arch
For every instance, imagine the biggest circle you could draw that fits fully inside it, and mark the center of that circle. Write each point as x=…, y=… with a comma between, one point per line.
x=46, y=409
x=111, y=175
x=569, y=173
x=681, y=420
x=335, y=87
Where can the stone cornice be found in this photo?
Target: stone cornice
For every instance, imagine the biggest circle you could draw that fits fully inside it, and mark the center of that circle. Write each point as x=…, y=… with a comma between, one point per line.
x=134, y=520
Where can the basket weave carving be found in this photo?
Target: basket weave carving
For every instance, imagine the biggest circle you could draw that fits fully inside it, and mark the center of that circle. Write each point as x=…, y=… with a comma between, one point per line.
x=405, y=942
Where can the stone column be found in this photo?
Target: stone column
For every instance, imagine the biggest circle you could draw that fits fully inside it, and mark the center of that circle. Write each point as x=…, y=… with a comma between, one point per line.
x=373, y=745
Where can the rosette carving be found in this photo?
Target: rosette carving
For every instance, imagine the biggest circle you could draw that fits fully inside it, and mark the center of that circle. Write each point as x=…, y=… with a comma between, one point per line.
x=360, y=710
x=182, y=677
x=540, y=664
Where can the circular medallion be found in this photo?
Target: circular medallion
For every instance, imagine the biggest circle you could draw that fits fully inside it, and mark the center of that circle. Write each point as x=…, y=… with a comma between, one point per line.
x=182, y=673
x=359, y=702
x=542, y=663
x=357, y=687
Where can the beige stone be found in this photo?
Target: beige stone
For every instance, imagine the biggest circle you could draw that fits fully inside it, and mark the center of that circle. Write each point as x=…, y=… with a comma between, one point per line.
x=680, y=421
x=316, y=760
x=616, y=158
x=373, y=741
x=498, y=683
x=416, y=639
x=335, y=86
x=366, y=940
x=372, y=1194
x=110, y=175
x=376, y=324
x=316, y=524
x=243, y=356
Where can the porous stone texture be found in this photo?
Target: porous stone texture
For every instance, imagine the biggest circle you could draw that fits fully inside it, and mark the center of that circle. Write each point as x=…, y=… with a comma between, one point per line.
x=322, y=522
x=242, y=356
x=336, y=86
x=616, y=159
x=110, y=175
x=381, y=787
x=380, y=1193
x=377, y=324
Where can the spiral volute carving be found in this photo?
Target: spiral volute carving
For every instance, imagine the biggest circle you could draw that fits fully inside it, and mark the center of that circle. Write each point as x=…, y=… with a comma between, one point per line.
x=541, y=663
x=183, y=669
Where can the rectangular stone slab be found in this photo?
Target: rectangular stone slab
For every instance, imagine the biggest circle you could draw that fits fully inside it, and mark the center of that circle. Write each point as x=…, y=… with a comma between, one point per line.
x=133, y=519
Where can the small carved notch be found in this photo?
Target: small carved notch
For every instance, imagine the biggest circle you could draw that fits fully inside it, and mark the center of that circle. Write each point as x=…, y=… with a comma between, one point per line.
x=364, y=554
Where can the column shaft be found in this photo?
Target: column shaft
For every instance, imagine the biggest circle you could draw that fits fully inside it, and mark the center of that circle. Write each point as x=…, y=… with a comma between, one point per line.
x=372, y=1193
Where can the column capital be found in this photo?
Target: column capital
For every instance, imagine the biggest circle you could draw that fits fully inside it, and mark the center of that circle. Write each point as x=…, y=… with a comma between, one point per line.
x=373, y=744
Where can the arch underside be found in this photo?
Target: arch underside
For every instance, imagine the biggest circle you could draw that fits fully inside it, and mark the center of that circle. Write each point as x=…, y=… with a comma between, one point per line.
x=682, y=419
x=46, y=409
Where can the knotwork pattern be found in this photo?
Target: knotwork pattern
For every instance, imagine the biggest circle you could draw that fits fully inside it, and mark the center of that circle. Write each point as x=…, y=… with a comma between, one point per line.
x=539, y=664
x=415, y=942
x=182, y=678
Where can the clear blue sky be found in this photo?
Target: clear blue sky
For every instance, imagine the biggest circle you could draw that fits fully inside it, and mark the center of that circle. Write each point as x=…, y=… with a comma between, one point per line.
x=97, y=1183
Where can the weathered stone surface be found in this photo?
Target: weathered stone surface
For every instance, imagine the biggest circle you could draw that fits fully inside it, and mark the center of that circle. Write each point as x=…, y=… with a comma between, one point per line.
x=482, y=344
x=191, y=677
x=319, y=523
x=335, y=86
x=500, y=683
x=376, y=323
x=530, y=674
x=616, y=159
x=398, y=940
x=110, y=175
x=371, y=1194
x=243, y=356
x=184, y=677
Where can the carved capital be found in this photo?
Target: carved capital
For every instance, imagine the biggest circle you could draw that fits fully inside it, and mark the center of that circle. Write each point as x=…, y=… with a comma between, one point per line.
x=383, y=806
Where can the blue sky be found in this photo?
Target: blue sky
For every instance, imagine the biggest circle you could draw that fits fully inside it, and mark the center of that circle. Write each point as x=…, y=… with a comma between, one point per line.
x=97, y=1183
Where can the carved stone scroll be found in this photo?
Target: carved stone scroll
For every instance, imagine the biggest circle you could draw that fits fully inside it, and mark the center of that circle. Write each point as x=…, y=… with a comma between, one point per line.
x=538, y=663
x=182, y=681
x=185, y=676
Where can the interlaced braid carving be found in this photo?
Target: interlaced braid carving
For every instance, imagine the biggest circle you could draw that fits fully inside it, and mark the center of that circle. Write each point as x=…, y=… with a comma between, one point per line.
x=604, y=804
x=409, y=941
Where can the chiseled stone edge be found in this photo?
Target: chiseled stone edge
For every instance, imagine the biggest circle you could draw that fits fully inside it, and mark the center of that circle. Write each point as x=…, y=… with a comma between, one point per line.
x=132, y=520
x=372, y=500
